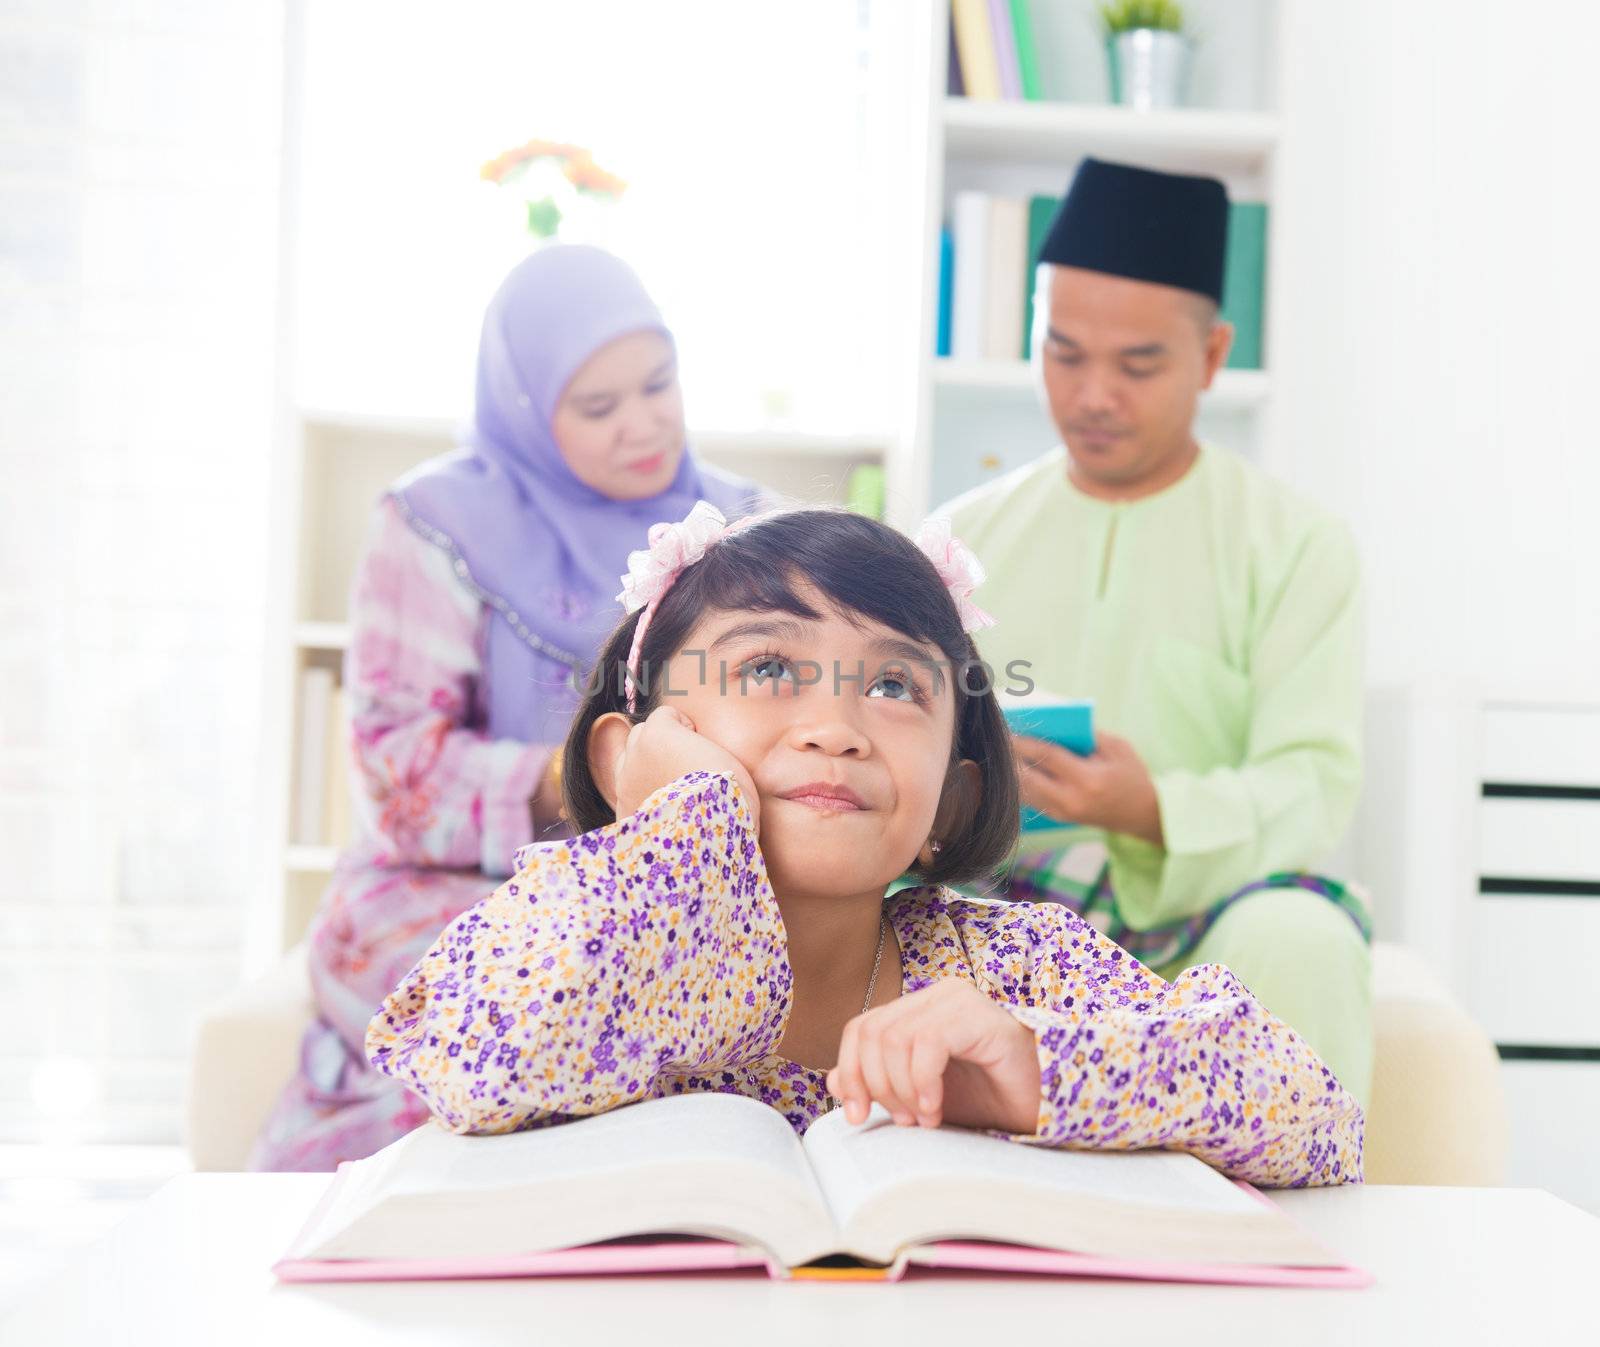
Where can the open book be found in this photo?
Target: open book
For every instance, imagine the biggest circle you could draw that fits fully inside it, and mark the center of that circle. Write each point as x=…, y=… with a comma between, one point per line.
x=704, y=1181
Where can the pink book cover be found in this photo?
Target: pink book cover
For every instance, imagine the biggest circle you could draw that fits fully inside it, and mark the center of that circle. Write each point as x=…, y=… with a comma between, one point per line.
x=664, y=1255
x=1005, y=48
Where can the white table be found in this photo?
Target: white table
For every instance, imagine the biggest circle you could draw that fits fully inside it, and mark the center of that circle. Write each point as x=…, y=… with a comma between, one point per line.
x=1452, y=1264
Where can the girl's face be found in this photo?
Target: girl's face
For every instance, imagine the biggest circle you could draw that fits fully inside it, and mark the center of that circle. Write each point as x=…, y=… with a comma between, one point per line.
x=619, y=423
x=845, y=727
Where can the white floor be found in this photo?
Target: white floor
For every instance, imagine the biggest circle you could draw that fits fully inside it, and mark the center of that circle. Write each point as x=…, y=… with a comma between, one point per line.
x=55, y=1199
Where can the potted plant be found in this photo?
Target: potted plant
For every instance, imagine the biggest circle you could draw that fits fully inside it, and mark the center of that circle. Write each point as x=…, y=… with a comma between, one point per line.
x=1148, y=51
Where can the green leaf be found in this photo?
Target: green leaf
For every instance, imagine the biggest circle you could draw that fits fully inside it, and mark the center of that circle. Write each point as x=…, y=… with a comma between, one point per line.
x=1123, y=16
x=544, y=218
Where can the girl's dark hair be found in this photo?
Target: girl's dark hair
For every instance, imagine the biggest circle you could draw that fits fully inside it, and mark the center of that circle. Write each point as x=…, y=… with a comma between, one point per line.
x=865, y=568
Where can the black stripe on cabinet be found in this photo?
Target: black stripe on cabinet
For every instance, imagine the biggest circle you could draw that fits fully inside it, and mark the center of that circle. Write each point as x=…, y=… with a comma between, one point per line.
x=1540, y=888
x=1526, y=1052
x=1513, y=790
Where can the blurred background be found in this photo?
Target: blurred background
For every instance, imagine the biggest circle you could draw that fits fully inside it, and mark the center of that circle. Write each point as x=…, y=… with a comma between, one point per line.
x=244, y=254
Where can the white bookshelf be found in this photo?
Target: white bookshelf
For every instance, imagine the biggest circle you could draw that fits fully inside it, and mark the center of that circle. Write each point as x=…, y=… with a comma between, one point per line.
x=1187, y=140
x=971, y=421
x=321, y=635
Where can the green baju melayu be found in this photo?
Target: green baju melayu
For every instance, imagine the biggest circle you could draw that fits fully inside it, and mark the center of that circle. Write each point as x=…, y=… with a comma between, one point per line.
x=1216, y=625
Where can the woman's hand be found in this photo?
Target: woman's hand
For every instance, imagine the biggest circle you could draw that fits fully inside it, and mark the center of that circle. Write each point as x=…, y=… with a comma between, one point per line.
x=660, y=749
x=1110, y=789
x=945, y=1054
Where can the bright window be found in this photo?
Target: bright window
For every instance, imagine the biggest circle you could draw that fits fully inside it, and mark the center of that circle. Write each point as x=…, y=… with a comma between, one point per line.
x=755, y=211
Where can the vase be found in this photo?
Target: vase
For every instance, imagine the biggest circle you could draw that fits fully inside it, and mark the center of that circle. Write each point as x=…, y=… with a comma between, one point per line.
x=1149, y=68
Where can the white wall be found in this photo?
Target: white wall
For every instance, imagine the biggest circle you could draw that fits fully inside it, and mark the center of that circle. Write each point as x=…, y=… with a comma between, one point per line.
x=1443, y=270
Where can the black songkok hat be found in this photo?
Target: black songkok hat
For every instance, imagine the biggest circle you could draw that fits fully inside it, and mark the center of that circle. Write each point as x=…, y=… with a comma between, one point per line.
x=1163, y=227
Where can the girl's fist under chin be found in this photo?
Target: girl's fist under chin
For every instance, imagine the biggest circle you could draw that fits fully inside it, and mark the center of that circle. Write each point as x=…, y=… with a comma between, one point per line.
x=664, y=746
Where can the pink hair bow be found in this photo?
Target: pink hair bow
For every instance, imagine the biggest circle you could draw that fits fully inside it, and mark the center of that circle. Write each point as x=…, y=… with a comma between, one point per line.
x=653, y=569
x=960, y=570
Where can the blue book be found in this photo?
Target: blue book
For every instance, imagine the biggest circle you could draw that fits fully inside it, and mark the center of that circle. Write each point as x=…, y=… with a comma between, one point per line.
x=947, y=266
x=1068, y=723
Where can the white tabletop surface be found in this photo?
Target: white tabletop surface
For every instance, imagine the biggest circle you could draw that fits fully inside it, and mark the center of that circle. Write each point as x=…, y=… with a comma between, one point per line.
x=1452, y=1265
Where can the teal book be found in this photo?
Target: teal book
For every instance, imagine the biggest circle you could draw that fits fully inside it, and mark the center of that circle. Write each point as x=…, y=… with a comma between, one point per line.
x=1027, y=50
x=1244, y=285
x=1041, y=210
x=1068, y=723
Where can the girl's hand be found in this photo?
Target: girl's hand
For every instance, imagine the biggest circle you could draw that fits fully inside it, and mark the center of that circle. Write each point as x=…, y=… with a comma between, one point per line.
x=660, y=749
x=945, y=1054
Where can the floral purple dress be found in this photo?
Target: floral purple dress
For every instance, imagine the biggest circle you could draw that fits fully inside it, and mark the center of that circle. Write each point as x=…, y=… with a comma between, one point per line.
x=440, y=809
x=648, y=958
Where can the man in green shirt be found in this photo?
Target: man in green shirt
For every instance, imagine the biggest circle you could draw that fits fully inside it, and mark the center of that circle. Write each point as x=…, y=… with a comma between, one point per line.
x=1212, y=615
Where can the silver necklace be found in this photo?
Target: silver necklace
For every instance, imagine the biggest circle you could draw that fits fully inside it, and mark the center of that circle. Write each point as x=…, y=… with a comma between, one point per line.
x=872, y=985
x=872, y=982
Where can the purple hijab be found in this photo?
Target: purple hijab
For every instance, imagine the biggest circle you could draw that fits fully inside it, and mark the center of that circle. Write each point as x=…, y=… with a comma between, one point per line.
x=526, y=536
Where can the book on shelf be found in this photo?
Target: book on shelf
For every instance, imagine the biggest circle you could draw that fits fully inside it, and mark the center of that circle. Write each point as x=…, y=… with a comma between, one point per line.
x=980, y=70
x=969, y=232
x=941, y=341
x=994, y=51
x=1027, y=50
x=1041, y=211
x=336, y=806
x=1005, y=276
x=990, y=276
x=321, y=815
x=719, y=1181
x=1005, y=49
x=953, y=85
x=1245, y=282
x=987, y=285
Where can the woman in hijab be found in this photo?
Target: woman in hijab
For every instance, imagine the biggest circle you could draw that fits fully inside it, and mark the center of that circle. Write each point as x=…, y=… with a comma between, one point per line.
x=486, y=588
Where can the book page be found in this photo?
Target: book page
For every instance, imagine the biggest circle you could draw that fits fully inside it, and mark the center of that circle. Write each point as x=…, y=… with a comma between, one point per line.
x=855, y=1164
x=715, y=1164
x=683, y=1129
x=890, y=1188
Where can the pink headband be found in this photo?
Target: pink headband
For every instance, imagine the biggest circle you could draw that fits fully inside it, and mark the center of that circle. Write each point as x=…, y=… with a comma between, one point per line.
x=675, y=547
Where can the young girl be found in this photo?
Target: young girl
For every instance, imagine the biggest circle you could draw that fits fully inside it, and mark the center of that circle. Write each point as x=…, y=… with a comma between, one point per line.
x=792, y=717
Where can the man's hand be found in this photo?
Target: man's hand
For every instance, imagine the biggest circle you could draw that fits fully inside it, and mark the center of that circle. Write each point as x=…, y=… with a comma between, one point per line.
x=945, y=1054
x=660, y=749
x=1110, y=789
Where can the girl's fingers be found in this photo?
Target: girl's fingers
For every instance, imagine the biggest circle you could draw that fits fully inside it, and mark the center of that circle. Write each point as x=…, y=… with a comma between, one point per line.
x=896, y=1042
x=845, y=1080
x=892, y=1031
x=877, y=1077
x=930, y=1054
